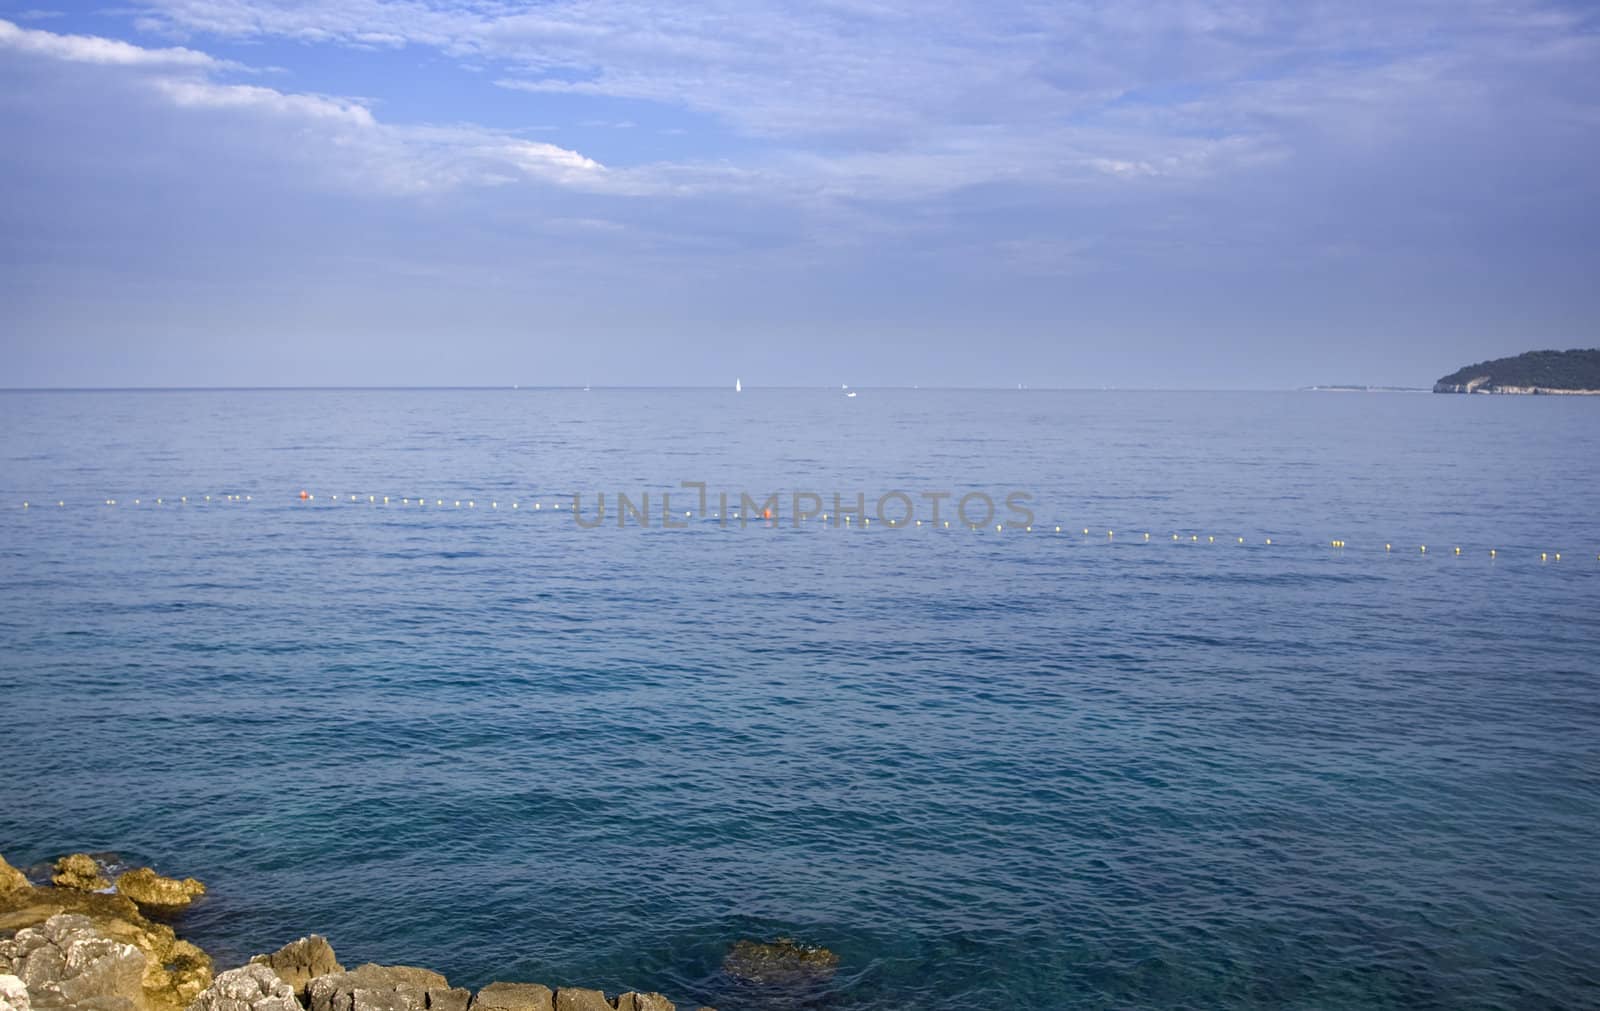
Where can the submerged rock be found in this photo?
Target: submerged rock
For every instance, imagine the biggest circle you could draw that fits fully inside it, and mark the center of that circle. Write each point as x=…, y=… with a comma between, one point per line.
x=13, y=994
x=784, y=961
x=299, y=962
x=151, y=890
x=253, y=987
x=385, y=988
x=514, y=997
x=11, y=879
x=67, y=962
x=81, y=872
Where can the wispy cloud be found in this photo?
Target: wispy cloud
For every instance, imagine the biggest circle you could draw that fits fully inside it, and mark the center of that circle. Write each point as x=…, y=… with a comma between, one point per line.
x=954, y=93
x=339, y=139
x=94, y=49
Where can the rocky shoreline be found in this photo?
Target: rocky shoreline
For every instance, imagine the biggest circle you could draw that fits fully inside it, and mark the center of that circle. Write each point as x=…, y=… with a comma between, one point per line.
x=86, y=941
x=1484, y=385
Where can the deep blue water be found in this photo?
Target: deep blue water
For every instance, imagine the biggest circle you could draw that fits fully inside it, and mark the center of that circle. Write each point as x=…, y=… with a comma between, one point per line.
x=989, y=769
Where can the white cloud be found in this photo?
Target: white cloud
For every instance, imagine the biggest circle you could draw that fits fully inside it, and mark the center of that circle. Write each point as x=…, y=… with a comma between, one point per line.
x=550, y=161
x=191, y=93
x=333, y=139
x=94, y=49
x=859, y=100
x=881, y=72
x=892, y=100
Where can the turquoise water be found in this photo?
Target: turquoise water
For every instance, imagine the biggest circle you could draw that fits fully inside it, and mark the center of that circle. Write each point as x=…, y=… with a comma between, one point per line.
x=987, y=768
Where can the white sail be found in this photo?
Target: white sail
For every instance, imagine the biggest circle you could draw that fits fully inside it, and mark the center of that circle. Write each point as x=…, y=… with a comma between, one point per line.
x=738, y=387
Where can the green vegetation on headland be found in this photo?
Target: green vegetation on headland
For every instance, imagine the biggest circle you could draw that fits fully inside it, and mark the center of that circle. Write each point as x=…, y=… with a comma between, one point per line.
x=1575, y=371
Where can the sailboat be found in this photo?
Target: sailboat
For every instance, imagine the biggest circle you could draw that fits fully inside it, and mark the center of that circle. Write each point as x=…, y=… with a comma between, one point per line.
x=738, y=387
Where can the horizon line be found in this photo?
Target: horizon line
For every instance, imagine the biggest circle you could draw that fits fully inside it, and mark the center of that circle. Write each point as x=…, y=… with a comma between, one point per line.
x=513, y=388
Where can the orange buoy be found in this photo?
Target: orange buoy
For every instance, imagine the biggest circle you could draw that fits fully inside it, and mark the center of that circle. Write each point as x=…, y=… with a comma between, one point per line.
x=303, y=495
x=766, y=514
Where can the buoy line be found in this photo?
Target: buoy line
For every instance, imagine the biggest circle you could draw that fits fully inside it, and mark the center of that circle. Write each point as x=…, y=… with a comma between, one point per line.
x=766, y=519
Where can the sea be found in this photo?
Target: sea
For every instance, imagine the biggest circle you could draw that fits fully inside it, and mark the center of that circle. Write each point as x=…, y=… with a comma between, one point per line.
x=1234, y=699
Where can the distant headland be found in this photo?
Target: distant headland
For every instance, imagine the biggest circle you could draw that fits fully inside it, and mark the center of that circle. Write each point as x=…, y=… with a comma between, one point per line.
x=1554, y=372
x=1357, y=388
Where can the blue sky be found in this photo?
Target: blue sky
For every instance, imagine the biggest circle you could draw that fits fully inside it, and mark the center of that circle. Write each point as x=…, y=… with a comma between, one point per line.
x=1165, y=194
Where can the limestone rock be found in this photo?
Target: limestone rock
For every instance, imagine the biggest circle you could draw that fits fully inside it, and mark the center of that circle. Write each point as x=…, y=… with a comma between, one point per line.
x=299, y=962
x=151, y=890
x=455, y=998
x=175, y=972
x=385, y=988
x=254, y=987
x=784, y=961
x=11, y=879
x=13, y=994
x=514, y=997
x=67, y=962
x=643, y=1002
x=571, y=998
x=79, y=871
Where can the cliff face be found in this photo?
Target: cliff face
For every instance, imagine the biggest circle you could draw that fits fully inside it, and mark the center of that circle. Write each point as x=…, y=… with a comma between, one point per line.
x=1536, y=372
x=1483, y=385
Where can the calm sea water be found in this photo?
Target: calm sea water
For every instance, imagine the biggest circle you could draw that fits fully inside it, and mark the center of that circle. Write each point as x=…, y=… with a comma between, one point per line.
x=989, y=769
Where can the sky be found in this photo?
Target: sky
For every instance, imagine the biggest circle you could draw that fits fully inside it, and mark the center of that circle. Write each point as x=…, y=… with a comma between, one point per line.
x=1084, y=193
